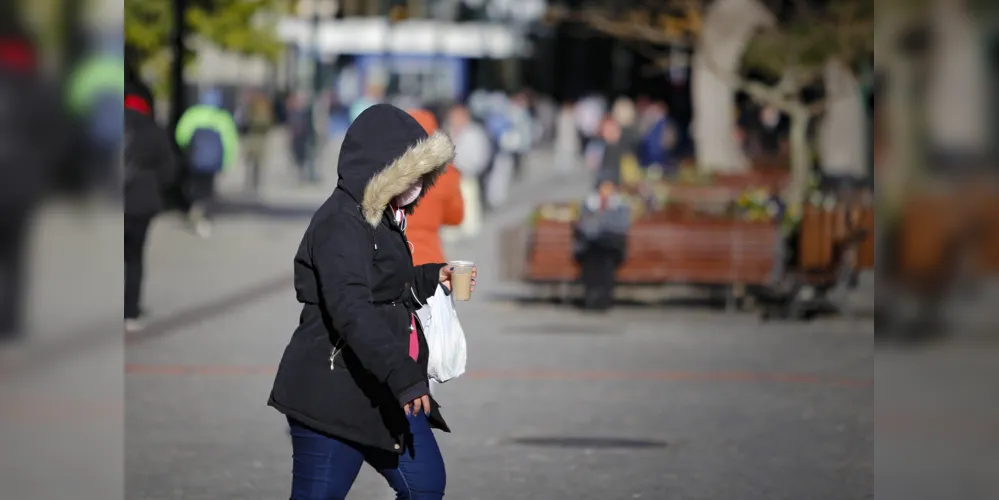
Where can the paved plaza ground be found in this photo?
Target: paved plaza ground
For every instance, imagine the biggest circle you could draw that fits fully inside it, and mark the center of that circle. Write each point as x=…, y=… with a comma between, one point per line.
x=656, y=402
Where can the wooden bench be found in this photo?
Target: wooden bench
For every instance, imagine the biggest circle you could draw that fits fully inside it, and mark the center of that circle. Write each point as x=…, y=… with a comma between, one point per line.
x=941, y=233
x=705, y=252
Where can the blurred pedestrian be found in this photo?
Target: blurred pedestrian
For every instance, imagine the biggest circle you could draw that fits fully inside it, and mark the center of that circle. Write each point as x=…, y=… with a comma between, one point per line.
x=658, y=146
x=599, y=244
x=96, y=92
x=139, y=92
x=617, y=142
x=590, y=112
x=624, y=114
x=614, y=148
x=150, y=168
x=257, y=121
x=353, y=379
x=473, y=154
x=441, y=206
x=649, y=114
x=546, y=111
x=33, y=152
x=567, y=147
x=208, y=137
x=302, y=135
x=519, y=137
x=373, y=94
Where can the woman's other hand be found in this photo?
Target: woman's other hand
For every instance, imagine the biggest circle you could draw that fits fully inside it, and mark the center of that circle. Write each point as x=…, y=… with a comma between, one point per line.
x=447, y=271
x=420, y=403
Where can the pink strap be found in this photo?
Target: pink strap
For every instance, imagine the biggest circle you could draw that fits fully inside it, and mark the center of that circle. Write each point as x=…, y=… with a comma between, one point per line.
x=414, y=341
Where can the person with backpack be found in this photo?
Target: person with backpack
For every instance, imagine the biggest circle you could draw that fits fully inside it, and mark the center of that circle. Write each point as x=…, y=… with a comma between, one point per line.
x=207, y=135
x=96, y=92
x=150, y=168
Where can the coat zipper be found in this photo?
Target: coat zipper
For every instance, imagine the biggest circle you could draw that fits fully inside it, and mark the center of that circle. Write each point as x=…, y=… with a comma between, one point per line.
x=333, y=354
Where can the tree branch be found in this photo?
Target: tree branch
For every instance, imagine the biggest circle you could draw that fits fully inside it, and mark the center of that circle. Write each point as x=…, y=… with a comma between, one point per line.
x=759, y=92
x=630, y=30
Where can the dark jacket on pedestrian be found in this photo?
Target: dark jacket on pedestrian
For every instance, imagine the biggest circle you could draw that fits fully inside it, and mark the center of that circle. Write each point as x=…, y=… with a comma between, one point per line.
x=614, y=153
x=150, y=164
x=355, y=277
x=34, y=152
x=603, y=226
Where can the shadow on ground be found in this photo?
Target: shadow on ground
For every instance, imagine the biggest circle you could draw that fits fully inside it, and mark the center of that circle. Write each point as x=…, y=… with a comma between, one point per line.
x=524, y=299
x=233, y=207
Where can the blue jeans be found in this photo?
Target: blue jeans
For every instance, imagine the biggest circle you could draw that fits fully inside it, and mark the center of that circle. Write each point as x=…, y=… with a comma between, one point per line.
x=325, y=467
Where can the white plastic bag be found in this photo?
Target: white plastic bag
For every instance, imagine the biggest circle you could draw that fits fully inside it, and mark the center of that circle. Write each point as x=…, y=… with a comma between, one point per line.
x=445, y=337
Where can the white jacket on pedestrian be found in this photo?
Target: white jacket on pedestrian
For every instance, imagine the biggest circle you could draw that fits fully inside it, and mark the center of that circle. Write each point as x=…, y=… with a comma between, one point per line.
x=567, y=147
x=472, y=150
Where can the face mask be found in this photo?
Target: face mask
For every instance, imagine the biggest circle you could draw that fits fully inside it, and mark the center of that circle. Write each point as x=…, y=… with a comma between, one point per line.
x=409, y=195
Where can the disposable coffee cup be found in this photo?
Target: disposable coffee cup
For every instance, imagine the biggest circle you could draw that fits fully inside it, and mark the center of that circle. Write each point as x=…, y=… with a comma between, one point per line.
x=461, y=279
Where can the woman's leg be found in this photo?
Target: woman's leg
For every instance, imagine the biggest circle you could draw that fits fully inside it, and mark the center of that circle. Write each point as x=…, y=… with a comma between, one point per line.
x=324, y=468
x=608, y=270
x=419, y=473
x=598, y=278
x=588, y=276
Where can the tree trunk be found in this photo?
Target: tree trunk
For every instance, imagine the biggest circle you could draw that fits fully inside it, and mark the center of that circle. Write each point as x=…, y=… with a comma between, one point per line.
x=904, y=112
x=728, y=27
x=801, y=159
x=178, y=103
x=842, y=144
x=958, y=121
x=904, y=154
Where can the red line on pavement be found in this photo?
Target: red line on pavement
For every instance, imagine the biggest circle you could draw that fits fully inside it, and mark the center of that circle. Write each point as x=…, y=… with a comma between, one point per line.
x=658, y=376
x=44, y=410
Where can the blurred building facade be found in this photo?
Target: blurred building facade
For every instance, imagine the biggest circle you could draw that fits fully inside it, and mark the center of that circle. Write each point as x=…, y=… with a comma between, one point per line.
x=422, y=49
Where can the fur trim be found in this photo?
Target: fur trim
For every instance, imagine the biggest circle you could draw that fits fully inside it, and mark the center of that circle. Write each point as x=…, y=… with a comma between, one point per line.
x=427, y=159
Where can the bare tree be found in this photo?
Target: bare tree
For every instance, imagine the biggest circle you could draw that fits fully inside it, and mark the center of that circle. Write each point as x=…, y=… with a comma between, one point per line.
x=790, y=48
x=792, y=56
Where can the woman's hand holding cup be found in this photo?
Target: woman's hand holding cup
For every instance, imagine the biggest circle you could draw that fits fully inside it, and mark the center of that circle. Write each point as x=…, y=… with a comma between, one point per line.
x=459, y=277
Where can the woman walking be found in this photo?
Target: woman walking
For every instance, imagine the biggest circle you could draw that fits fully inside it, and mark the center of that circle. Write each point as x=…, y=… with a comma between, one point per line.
x=353, y=379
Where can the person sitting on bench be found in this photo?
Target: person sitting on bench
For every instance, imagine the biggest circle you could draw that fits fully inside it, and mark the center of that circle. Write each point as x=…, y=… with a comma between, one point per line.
x=599, y=243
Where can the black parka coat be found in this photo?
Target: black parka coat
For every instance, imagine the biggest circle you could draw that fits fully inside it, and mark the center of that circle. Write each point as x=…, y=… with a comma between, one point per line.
x=355, y=277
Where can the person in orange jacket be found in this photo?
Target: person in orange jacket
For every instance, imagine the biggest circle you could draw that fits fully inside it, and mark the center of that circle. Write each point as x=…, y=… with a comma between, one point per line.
x=441, y=206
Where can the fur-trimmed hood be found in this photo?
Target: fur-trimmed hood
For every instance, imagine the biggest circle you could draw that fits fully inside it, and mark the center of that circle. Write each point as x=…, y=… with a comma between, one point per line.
x=384, y=152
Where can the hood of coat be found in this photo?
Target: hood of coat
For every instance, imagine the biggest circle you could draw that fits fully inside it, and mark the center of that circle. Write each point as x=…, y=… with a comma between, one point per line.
x=384, y=152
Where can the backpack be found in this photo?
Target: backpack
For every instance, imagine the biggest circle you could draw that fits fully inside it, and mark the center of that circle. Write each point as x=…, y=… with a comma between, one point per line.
x=105, y=121
x=206, y=152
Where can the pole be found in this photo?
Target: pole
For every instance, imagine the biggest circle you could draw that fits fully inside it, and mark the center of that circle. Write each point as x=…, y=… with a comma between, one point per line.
x=317, y=85
x=866, y=89
x=177, y=98
x=74, y=41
